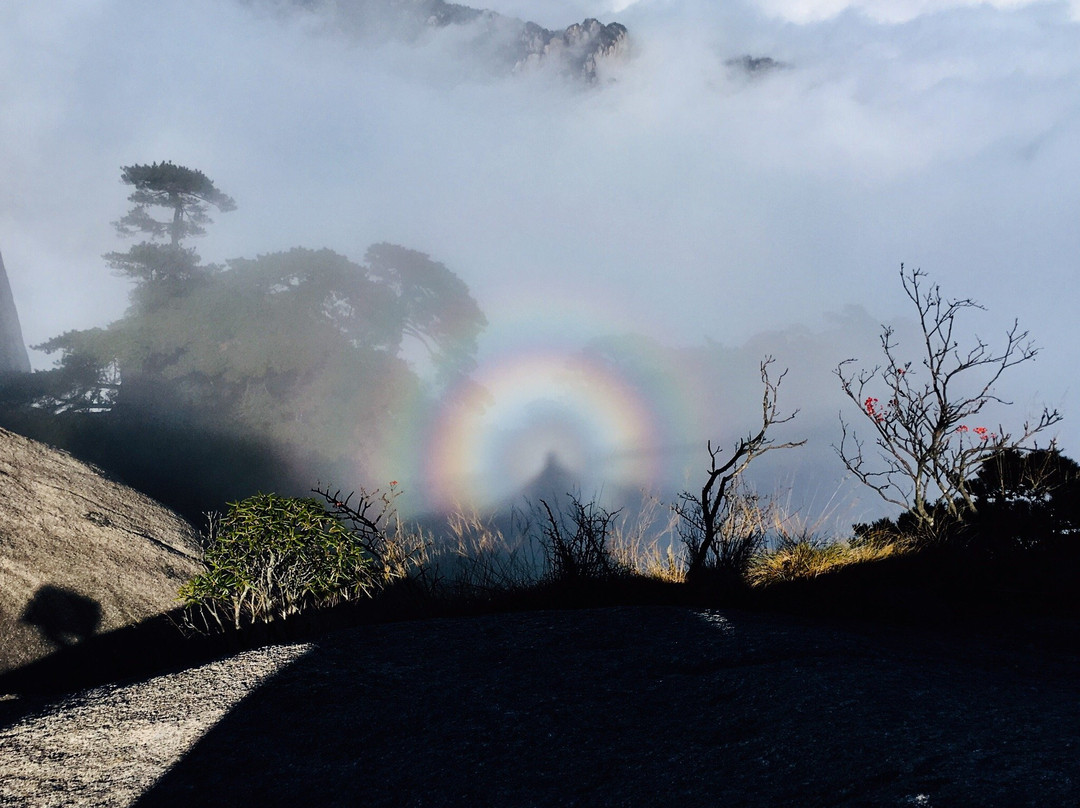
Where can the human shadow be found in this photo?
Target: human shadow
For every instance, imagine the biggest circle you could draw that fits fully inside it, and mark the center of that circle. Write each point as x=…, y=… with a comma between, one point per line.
x=131, y=653
x=64, y=617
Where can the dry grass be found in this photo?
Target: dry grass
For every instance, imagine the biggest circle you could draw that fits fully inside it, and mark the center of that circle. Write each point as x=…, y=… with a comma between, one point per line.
x=794, y=548
x=808, y=558
x=645, y=542
x=476, y=558
x=406, y=552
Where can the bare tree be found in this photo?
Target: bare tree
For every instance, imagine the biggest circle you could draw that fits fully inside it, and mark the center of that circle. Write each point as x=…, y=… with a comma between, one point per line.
x=703, y=515
x=929, y=444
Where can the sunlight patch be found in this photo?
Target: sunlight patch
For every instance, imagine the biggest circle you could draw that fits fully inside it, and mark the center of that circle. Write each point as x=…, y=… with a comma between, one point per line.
x=147, y=727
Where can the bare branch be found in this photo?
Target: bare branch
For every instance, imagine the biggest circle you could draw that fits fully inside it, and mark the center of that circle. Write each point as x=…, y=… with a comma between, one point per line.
x=927, y=448
x=703, y=512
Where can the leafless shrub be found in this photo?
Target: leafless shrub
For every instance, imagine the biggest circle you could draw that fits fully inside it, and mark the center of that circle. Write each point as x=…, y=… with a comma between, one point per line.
x=705, y=514
x=576, y=542
x=930, y=444
x=740, y=529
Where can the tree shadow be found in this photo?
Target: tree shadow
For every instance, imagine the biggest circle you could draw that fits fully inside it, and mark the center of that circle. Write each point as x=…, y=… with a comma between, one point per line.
x=172, y=456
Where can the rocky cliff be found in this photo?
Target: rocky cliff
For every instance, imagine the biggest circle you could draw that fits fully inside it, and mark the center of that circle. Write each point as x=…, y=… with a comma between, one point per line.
x=579, y=48
x=13, y=356
x=508, y=44
x=79, y=553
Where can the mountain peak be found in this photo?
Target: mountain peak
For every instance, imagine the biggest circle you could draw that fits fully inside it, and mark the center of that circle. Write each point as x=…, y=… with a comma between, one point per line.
x=511, y=43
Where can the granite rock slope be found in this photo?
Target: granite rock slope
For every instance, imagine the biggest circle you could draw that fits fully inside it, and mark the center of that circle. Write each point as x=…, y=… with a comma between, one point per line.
x=80, y=554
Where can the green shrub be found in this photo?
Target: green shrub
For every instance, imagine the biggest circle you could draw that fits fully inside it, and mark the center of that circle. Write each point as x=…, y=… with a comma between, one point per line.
x=1027, y=501
x=271, y=556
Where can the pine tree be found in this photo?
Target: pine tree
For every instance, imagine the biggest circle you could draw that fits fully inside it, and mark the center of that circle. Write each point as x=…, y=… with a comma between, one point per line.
x=161, y=264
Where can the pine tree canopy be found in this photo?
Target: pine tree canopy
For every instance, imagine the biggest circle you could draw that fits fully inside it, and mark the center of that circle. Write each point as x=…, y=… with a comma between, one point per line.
x=186, y=192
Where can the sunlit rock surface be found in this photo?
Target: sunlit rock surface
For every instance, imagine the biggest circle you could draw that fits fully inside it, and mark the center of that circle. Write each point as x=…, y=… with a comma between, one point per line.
x=13, y=356
x=79, y=554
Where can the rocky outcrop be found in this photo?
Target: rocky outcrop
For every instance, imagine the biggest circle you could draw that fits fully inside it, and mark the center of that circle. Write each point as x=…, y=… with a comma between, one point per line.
x=755, y=65
x=13, y=356
x=579, y=48
x=509, y=44
x=79, y=553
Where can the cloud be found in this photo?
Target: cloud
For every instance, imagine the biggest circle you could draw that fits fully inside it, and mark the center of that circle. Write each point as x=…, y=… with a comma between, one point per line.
x=885, y=11
x=681, y=197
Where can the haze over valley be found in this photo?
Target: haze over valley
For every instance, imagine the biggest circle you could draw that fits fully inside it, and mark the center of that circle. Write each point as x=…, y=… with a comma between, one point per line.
x=642, y=206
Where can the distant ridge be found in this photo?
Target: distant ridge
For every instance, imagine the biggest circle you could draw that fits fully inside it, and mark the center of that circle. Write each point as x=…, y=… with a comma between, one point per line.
x=13, y=355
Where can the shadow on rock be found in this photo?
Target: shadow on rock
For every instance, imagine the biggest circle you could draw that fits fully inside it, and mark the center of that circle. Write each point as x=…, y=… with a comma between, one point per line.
x=63, y=617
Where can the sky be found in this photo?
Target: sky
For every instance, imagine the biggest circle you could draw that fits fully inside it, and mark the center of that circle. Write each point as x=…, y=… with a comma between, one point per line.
x=678, y=198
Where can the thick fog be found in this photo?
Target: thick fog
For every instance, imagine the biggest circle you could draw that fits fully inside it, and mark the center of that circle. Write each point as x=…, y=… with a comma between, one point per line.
x=681, y=197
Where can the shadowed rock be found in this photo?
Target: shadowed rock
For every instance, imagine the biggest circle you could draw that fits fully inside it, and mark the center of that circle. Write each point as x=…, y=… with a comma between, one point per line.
x=755, y=65
x=579, y=49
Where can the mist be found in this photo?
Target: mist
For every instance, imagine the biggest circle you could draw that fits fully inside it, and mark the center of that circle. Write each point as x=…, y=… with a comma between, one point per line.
x=687, y=213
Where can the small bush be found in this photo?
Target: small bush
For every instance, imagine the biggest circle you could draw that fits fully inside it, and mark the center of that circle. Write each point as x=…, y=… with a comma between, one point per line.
x=1027, y=501
x=911, y=531
x=576, y=543
x=739, y=531
x=270, y=557
x=1023, y=502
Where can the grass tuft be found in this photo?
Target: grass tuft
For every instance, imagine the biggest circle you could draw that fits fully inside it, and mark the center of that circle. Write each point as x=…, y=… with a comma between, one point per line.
x=808, y=558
